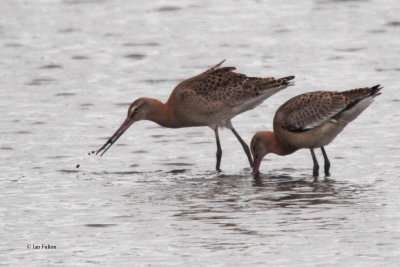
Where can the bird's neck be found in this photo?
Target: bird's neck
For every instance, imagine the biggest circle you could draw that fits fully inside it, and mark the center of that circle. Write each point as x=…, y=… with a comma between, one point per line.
x=161, y=114
x=280, y=148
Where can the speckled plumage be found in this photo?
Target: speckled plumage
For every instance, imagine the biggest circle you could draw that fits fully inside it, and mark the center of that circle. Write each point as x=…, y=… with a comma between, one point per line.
x=210, y=99
x=215, y=96
x=312, y=109
x=311, y=120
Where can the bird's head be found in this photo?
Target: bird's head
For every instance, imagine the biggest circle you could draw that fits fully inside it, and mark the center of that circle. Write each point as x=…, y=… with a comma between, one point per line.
x=262, y=144
x=140, y=109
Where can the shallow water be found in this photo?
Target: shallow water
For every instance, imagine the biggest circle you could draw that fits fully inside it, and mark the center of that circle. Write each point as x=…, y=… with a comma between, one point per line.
x=69, y=71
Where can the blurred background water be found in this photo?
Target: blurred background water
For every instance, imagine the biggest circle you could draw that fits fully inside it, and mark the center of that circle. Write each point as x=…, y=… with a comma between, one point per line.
x=69, y=70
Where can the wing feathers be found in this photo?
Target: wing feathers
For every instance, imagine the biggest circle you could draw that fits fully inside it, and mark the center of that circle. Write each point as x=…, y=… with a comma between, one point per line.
x=311, y=110
x=222, y=87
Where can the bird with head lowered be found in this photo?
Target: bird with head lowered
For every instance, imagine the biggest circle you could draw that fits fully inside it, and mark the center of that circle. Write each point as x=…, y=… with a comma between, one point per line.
x=211, y=99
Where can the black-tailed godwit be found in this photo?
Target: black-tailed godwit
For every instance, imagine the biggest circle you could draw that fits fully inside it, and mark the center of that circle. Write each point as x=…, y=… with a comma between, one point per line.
x=311, y=120
x=211, y=99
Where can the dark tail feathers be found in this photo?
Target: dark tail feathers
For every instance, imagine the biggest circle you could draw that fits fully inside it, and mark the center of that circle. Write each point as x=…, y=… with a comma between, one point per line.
x=288, y=78
x=375, y=90
x=285, y=80
x=361, y=93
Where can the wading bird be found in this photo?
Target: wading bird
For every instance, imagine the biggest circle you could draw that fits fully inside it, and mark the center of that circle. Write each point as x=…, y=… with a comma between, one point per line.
x=211, y=99
x=311, y=120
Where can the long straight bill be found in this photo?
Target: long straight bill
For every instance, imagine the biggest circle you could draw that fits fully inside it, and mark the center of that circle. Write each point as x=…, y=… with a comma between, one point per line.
x=125, y=125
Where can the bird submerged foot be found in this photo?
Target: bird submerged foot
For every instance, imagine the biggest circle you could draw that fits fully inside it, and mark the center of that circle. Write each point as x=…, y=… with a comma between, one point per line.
x=316, y=171
x=327, y=164
x=316, y=165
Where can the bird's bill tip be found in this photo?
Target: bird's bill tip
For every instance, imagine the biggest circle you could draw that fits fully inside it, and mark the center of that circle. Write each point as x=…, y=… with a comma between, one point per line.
x=256, y=166
x=125, y=125
x=100, y=149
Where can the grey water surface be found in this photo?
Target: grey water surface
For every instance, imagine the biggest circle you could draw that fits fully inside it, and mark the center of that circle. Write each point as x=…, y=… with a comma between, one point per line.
x=70, y=69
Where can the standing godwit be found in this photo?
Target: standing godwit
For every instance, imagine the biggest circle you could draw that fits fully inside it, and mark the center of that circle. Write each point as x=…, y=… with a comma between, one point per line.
x=211, y=99
x=311, y=120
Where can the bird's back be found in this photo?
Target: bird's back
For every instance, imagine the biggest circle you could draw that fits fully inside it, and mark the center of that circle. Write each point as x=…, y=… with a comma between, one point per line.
x=312, y=109
x=314, y=119
x=219, y=94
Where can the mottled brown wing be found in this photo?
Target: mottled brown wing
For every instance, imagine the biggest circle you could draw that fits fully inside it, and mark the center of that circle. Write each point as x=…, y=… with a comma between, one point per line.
x=218, y=87
x=310, y=110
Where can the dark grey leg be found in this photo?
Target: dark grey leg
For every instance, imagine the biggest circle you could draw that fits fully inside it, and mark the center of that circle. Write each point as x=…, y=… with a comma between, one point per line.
x=327, y=164
x=244, y=145
x=219, y=150
x=316, y=166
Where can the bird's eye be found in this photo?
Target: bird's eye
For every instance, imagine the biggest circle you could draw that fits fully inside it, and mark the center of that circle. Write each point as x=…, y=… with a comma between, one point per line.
x=132, y=111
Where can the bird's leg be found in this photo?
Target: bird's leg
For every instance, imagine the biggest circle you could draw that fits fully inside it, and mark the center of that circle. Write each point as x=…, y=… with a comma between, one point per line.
x=316, y=166
x=219, y=150
x=244, y=145
x=327, y=164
